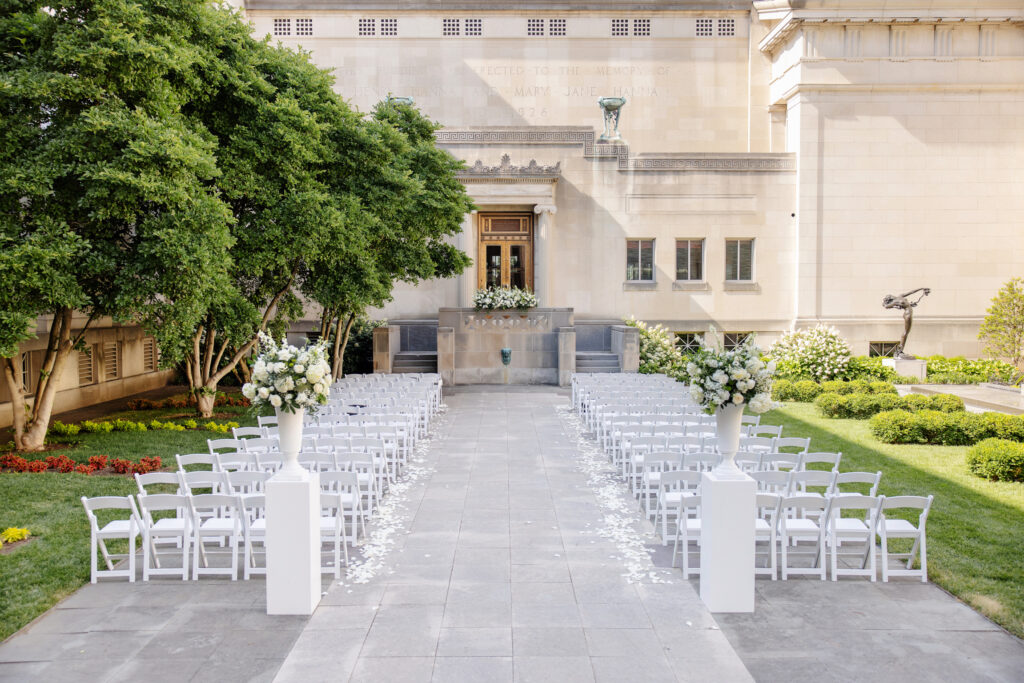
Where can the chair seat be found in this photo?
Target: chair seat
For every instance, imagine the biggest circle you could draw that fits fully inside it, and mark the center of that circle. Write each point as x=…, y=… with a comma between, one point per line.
x=676, y=496
x=652, y=477
x=258, y=525
x=849, y=525
x=799, y=526
x=169, y=524
x=120, y=527
x=762, y=525
x=218, y=525
x=899, y=527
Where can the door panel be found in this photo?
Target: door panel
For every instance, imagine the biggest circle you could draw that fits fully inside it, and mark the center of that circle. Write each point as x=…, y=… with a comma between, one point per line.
x=506, y=250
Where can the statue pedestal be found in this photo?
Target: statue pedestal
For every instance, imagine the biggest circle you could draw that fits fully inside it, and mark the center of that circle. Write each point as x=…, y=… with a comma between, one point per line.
x=728, y=509
x=907, y=367
x=293, y=544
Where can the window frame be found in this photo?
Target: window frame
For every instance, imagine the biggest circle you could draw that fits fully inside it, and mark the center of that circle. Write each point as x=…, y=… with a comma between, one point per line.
x=691, y=345
x=739, y=264
x=689, y=250
x=875, y=346
x=639, y=259
x=732, y=340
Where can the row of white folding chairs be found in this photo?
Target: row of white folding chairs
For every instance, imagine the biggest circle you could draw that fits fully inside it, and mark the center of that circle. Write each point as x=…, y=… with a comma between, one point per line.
x=371, y=468
x=234, y=522
x=647, y=477
x=386, y=440
x=782, y=523
x=621, y=437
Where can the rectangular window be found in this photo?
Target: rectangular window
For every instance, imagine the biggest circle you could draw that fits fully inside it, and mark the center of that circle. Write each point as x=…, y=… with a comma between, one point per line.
x=389, y=27
x=26, y=372
x=303, y=27
x=733, y=340
x=87, y=366
x=641, y=27
x=640, y=260
x=688, y=342
x=885, y=349
x=149, y=356
x=704, y=28
x=739, y=260
x=690, y=260
x=111, y=361
x=726, y=27
x=367, y=27
x=534, y=27
x=450, y=27
x=620, y=27
x=474, y=27
x=556, y=27
x=282, y=27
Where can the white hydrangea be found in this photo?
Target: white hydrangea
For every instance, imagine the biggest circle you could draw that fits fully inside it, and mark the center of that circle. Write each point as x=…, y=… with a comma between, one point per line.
x=819, y=351
x=737, y=376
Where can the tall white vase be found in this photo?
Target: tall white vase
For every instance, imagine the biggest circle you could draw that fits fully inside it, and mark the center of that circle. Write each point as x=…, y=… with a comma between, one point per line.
x=728, y=420
x=289, y=433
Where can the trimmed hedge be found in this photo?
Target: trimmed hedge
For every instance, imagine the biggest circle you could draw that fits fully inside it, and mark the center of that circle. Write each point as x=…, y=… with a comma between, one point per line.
x=997, y=459
x=946, y=429
x=862, y=406
x=807, y=390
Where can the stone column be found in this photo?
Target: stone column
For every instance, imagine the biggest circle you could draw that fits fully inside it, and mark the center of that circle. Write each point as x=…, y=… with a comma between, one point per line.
x=446, y=354
x=566, y=355
x=542, y=235
x=467, y=243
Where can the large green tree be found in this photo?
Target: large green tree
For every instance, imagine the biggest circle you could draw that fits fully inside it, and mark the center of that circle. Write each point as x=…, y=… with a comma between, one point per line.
x=107, y=198
x=1002, y=331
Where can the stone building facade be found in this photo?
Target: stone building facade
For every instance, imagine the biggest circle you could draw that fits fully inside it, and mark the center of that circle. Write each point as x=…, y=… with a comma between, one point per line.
x=781, y=162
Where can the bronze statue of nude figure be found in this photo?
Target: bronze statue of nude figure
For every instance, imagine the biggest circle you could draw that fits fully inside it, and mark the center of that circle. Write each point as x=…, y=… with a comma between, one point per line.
x=901, y=301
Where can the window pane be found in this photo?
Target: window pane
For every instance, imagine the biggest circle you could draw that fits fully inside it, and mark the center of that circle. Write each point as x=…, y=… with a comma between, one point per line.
x=646, y=259
x=493, y=260
x=682, y=259
x=517, y=269
x=731, y=265
x=696, y=259
x=746, y=259
x=632, y=259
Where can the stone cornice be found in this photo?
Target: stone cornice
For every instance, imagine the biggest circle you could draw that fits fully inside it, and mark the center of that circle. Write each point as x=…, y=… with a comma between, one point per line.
x=532, y=171
x=579, y=135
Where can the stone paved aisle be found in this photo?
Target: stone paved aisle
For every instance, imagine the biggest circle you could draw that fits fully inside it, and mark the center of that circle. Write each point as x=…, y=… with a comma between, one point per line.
x=503, y=577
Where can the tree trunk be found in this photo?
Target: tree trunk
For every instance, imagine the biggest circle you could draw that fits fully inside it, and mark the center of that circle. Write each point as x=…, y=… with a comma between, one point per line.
x=205, y=401
x=340, y=342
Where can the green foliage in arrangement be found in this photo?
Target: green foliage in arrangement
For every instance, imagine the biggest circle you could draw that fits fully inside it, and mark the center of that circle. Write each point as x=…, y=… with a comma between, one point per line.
x=997, y=459
x=947, y=429
x=1003, y=327
x=860, y=406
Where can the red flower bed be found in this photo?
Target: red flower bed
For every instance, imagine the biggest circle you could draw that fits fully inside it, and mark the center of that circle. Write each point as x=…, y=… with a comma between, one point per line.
x=64, y=464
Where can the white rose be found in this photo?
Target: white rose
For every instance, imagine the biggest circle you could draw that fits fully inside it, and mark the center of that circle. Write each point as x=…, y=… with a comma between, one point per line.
x=314, y=375
x=722, y=395
x=300, y=368
x=284, y=354
x=737, y=398
x=720, y=377
x=263, y=393
x=740, y=373
x=275, y=401
x=249, y=390
x=712, y=363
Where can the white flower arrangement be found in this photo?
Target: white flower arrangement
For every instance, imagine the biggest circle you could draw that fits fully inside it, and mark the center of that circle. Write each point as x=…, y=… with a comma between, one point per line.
x=503, y=298
x=739, y=377
x=819, y=351
x=289, y=378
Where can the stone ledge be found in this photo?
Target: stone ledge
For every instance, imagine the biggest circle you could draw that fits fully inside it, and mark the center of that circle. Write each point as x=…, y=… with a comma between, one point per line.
x=639, y=286
x=741, y=287
x=690, y=286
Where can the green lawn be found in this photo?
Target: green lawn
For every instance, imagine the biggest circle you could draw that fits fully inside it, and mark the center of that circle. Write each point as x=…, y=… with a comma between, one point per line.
x=975, y=528
x=36, y=575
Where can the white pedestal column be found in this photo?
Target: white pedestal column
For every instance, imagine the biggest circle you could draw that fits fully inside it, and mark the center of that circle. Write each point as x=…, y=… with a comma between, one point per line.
x=468, y=243
x=293, y=544
x=541, y=250
x=727, y=541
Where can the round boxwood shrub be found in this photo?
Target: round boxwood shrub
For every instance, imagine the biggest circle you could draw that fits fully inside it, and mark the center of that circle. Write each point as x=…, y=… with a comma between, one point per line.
x=896, y=426
x=947, y=403
x=882, y=387
x=997, y=459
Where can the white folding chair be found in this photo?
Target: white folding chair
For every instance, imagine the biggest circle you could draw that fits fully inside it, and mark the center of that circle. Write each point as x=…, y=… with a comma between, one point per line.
x=269, y=444
x=821, y=458
x=159, y=480
x=245, y=483
x=757, y=444
x=765, y=430
x=164, y=529
x=650, y=478
x=772, y=482
x=766, y=531
x=332, y=523
x=225, y=445
x=254, y=531
x=701, y=461
x=196, y=460
x=780, y=461
x=247, y=432
x=236, y=462
x=844, y=480
x=346, y=485
x=675, y=486
x=216, y=516
x=900, y=528
x=267, y=421
x=800, y=481
x=127, y=529
x=796, y=443
x=687, y=531
x=796, y=526
x=842, y=529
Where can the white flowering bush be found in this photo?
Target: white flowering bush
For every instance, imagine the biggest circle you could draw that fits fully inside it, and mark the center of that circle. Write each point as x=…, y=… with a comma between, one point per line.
x=658, y=350
x=819, y=352
x=289, y=378
x=739, y=377
x=503, y=298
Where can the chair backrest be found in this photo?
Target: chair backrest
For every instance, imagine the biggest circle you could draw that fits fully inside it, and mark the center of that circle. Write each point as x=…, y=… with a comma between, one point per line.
x=215, y=481
x=757, y=443
x=700, y=460
x=771, y=481
x=236, y=461
x=800, y=504
x=678, y=480
x=335, y=442
x=766, y=430
x=661, y=462
x=223, y=503
x=254, y=506
x=247, y=432
x=753, y=420
x=800, y=481
x=822, y=458
x=108, y=503
x=683, y=443
x=338, y=481
x=801, y=444
x=191, y=459
x=155, y=502
x=264, y=445
x=156, y=479
x=767, y=504
x=247, y=483
x=921, y=503
x=226, y=445
x=872, y=479
x=267, y=421
x=870, y=504
x=776, y=461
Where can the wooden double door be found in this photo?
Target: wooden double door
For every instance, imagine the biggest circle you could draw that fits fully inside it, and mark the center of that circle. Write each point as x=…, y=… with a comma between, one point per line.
x=505, y=250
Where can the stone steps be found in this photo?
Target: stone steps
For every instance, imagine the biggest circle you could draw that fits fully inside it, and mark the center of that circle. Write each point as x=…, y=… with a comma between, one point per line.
x=415, y=361
x=597, y=361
